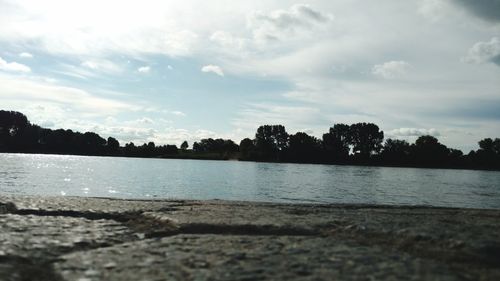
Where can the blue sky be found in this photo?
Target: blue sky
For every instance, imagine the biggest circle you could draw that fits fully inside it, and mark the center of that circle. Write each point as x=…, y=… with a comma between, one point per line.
x=168, y=71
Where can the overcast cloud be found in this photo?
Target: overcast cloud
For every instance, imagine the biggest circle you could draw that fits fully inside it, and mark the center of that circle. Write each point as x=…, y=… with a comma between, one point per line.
x=483, y=52
x=486, y=9
x=166, y=71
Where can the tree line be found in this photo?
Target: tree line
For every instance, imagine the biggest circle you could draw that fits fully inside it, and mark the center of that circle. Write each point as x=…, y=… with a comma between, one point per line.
x=356, y=144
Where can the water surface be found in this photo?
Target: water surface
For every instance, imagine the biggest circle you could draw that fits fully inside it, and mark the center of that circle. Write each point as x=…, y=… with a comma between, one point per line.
x=31, y=174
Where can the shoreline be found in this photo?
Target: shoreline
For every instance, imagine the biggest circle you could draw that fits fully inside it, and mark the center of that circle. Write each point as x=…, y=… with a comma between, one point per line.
x=374, y=165
x=294, y=203
x=70, y=238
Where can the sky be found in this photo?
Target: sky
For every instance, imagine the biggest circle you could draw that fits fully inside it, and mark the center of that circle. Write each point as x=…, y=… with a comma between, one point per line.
x=169, y=71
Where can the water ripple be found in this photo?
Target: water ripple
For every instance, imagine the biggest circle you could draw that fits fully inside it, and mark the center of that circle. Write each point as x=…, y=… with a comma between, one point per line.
x=269, y=182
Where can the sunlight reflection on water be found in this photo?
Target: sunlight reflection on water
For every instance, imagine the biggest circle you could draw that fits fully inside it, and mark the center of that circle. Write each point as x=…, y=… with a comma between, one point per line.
x=193, y=179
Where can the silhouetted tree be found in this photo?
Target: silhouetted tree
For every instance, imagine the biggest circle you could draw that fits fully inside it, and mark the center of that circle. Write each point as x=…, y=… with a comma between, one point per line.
x=366, y=139
x=130, y=149
x=271, y=141
x=12, y=122
x=230, y=146
x=496, y=146
x=488, y=154
x=209, y=145
x=486, y=145
x=66, y=141
x=303, y=148
x=247, y=149
x=30, y=139
x=455, y=158
x=12, y=127
x=336, y=143
x=170, y=149
x=225, y=148
x=196, y=147
x=112, y=146
x=149, y=150
x=396, y=152
x=92, y=143
x=184, y=145
x=428, y=152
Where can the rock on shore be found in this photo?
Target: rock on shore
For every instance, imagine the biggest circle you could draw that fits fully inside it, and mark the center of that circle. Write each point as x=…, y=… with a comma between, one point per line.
x=69, y=238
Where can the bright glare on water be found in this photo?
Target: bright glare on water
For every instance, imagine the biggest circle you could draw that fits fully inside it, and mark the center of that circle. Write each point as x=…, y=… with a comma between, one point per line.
x=30, y=174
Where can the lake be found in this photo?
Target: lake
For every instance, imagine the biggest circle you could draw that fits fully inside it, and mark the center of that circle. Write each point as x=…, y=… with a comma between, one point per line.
x=30, y=174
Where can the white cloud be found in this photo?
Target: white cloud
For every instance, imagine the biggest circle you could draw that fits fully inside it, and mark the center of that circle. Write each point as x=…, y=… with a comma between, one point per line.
x=391, y=69
x=124, y=133
x=102, y=65
x=412, y=132
x=178, y=113
x=44, y=113
x=292, y=117
x=176, y=136
x=13, y=66
x=483, y=52
x=25, y=55
x=76, y=71
x=212, y=68
x=280, y=23
x=227, y=40
x=144, y=69
x=144, y=120
x=90, y=64
x=169, y=67
x=434, y=10
x=110, y=120
x=154, y=109
x=139, y=132
x=47, y=124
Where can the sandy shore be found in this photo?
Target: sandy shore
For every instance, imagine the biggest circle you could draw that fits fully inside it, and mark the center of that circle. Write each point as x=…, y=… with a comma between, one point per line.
x=68, y=238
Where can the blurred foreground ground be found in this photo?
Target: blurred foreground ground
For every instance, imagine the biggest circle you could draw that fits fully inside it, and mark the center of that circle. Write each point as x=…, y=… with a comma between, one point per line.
x=68, y=238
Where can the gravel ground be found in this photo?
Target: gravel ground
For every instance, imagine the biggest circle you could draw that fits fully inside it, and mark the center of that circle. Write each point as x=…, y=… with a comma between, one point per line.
x=70, y=238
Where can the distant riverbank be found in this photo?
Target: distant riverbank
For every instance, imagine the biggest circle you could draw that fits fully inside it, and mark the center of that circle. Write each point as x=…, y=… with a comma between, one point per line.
x=356, y=144
x=190, y=155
